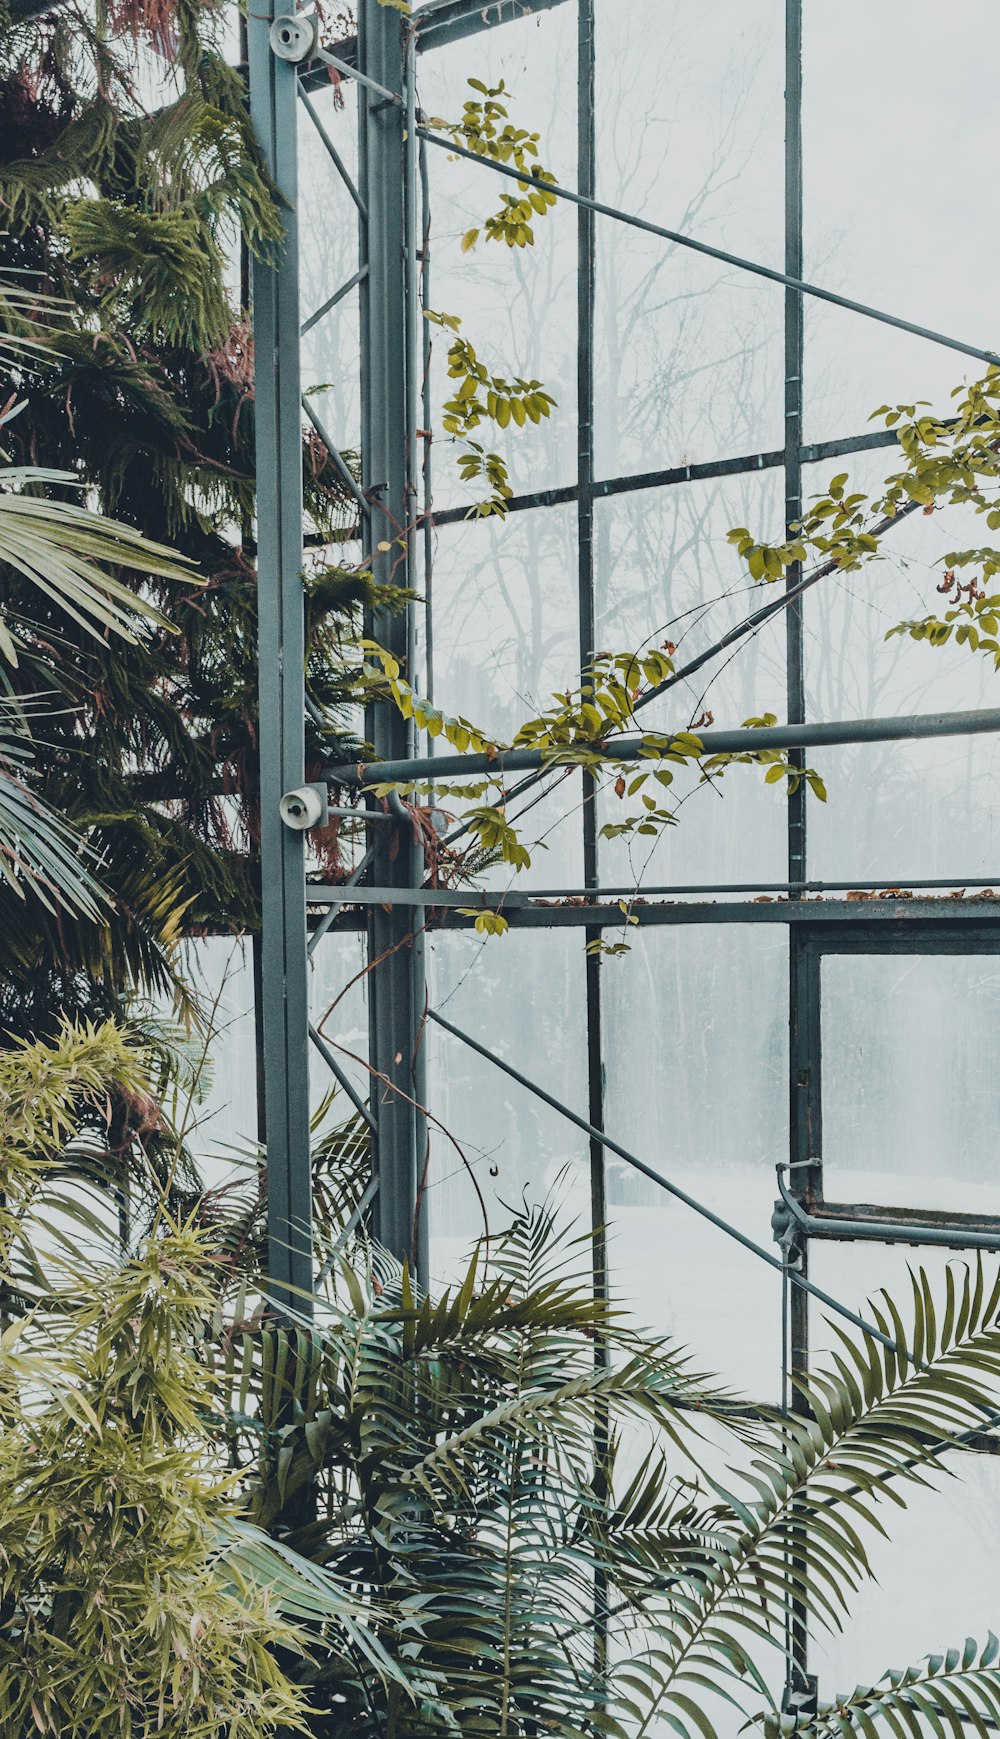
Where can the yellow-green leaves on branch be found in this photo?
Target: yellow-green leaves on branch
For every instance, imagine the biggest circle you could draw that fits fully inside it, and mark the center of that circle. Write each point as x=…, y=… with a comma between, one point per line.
x=946, y=462
x=602, y=707
x=486, y=130
x=487, y=923
x=382, y=669
x=489, y=824
x=778, y=767
x=974, y=620
x=580, y=729
x=479, y=396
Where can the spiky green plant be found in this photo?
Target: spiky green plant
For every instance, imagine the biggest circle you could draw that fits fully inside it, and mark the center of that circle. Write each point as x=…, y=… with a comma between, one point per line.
x=134, y=1600
x=501, y=1510
x=522, y=1484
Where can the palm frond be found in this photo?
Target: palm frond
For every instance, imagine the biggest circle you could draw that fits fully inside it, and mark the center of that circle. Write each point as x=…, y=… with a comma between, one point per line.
x=300, y=1590
x=955, y=1693
x=61, y=547
x=793, y=1530
x=39, y=850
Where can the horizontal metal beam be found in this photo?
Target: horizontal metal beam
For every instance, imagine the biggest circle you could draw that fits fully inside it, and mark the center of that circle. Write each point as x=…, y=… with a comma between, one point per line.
x=476, y=899
x=487, y=899
x=710, y=469
x=753, y=267
x=889, y=887
x=868, y=926
x=913, y=727
x=444, y=21
x=877, y=1226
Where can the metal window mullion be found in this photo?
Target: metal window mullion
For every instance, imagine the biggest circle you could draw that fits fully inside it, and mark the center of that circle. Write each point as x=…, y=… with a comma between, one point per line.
x=732, y=466
x=416, y=964
x=387, y=299
x=793, y=404
x=586, y=146
x=427, y=415
x=803, y=987
x=586, y=603
x=284, y=973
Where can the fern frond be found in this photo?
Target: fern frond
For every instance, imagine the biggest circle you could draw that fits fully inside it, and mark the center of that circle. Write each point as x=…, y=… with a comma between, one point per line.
x=168, y=264
x=957, y=1693
x=793, y=1532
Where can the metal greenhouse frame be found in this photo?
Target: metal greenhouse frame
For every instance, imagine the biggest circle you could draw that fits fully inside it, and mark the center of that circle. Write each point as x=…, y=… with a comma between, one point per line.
x=290, y=71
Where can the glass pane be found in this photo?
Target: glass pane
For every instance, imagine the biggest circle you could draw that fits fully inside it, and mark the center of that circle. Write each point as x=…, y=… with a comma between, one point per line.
x=338, y=1007
x=910, y=1105
x=937, y=1569
x=494, y=1144
x=920, y=103
x=517, y=306
x=328, y=258
x=666, y=572
x=914, y=809
x=505, y=616
x=936, y=1578
x=505, y=626
x=696, y=1058
x=689, y=134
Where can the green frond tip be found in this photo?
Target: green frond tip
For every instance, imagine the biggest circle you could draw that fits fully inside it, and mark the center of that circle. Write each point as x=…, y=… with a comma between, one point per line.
x=168, y=263
x=957, y=1692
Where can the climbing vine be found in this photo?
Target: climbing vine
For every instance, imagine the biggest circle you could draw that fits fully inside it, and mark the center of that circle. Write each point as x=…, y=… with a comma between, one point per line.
x=943, y=461
x=479, y=395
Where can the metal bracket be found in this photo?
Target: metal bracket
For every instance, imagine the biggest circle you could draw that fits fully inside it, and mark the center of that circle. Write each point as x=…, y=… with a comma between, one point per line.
x=877, y=1226
x=802, y=1698
x=295, y=36
x=306, y=807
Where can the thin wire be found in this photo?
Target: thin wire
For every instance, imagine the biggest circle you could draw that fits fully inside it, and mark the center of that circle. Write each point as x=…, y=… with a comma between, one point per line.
x=728, y=259
x=749, y=626
x=680, y=1195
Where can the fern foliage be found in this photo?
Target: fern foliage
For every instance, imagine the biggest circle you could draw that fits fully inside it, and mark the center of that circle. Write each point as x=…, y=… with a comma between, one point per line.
x=561, y=1527
x=497, y=1509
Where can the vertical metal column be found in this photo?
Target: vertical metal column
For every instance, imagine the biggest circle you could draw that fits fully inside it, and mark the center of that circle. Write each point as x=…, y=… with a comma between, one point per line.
x=585, y=538
x=795, y=677
x=794, y=321
x=284, y=980
x=805, y=1145
x=804, y=1032
x=389, y=298
x=586, y=298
